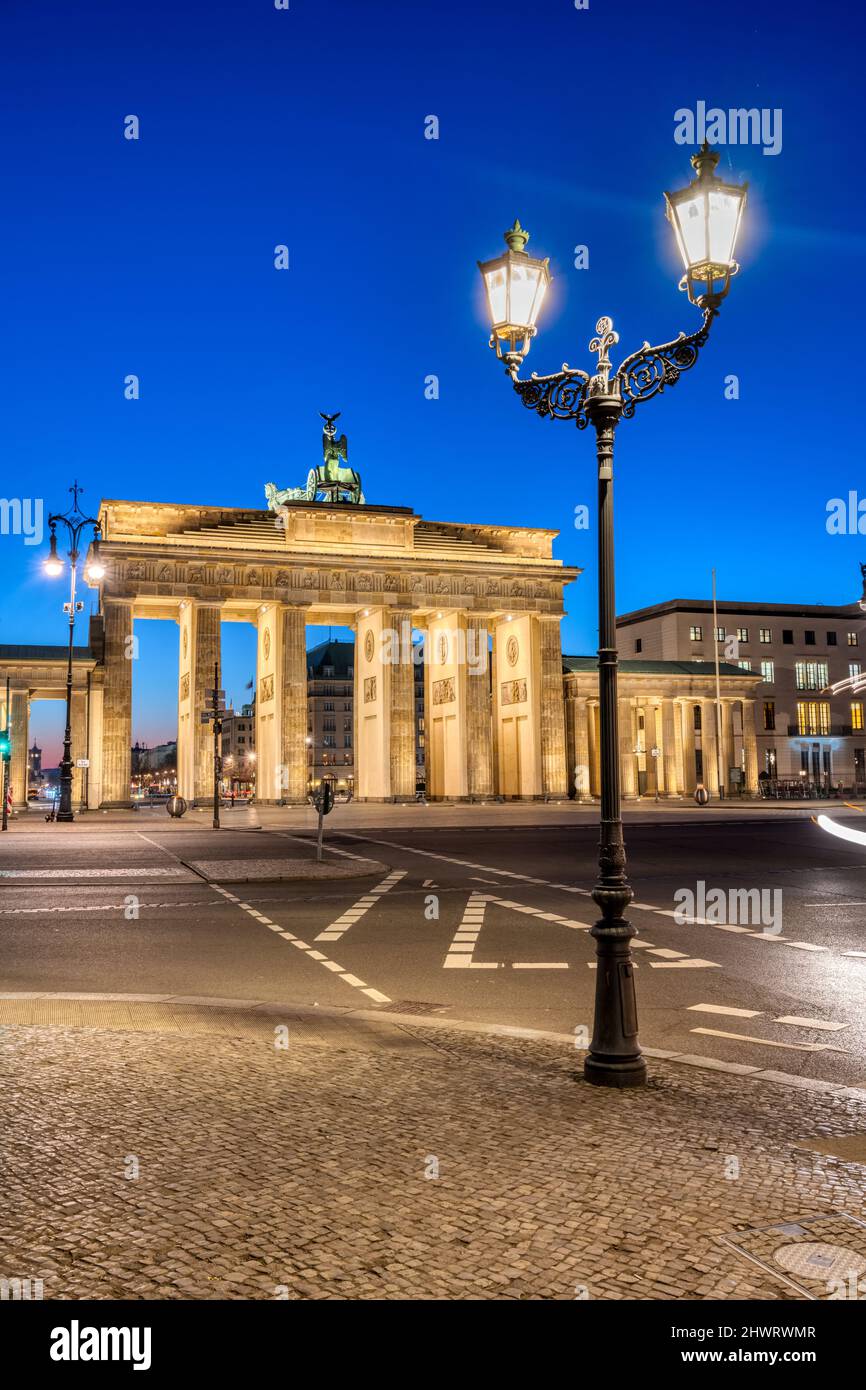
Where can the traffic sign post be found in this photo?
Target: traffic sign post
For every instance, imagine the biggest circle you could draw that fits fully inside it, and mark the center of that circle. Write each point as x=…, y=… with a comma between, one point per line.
x=323, y=800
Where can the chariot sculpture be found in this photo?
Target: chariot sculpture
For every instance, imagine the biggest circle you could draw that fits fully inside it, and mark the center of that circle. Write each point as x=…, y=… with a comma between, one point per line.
x=330, y=481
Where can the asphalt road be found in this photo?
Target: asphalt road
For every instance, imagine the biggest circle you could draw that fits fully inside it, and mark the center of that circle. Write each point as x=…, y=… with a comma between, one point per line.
x=489, y=925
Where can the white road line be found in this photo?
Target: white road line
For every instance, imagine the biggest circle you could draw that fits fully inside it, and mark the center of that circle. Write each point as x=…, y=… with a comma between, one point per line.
x=535, y=912
x=833, y=904
x=376, y=995
x=691, y=963
x=860, y=955
x=724, y=1009
x=460, y=952
x=569, y=888
x=151, y=872
x=811, y=1023
x=348, y=918
x=769, y=1042
x=539, y=965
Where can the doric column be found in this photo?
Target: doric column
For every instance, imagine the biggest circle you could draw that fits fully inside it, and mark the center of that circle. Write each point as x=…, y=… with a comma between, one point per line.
x=654, y=739
x=580, y=770
x=479, y=721
x=206, y=667
x=79, y=745
x=679, y=760
x=750, y=747
x=117, y=703
x=687, y=713
x=94, y=744
x=400, y=736
x=627, y=761
x=671, y=753
x=293, y=708
x=594, y=754
x=554, y=774
x=17, y=722
x=494, y=713
x=727, y=738
x=709, y=755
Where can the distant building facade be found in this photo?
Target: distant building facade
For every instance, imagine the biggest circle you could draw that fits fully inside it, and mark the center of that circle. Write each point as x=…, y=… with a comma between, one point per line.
x=331, y=714
x=239, y=748
x=804, y=731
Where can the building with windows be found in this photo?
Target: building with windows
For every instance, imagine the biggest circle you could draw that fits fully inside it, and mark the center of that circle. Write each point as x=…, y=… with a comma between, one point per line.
x=331, y=714
x=805, y=731
x=239, y=748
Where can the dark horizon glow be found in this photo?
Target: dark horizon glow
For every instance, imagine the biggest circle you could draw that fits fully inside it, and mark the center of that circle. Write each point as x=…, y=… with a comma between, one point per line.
x=305, y=127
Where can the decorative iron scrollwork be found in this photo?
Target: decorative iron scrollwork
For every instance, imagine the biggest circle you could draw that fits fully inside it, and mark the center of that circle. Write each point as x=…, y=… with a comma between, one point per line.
x=561, y=396
x=649, y=370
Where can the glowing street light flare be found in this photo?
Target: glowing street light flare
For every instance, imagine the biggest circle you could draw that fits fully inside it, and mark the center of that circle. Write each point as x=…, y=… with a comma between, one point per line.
x=842, y=832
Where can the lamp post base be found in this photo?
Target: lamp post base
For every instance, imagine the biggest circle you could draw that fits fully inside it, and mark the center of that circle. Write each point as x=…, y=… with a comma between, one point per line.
x=614, y=1071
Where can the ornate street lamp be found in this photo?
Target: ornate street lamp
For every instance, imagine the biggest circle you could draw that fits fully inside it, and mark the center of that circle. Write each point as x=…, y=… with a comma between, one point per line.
x=516, y=284
x=706, y=217
x=75, y=521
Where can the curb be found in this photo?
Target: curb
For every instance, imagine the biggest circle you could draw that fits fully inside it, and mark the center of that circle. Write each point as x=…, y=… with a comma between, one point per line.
x=496, y=1030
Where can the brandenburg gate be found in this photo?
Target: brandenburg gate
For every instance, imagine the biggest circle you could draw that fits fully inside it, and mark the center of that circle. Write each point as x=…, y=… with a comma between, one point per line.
x=496, y=730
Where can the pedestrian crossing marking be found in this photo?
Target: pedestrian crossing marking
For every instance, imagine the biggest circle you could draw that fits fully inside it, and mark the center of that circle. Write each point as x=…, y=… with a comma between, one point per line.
x=460, y=952
x=354, y=913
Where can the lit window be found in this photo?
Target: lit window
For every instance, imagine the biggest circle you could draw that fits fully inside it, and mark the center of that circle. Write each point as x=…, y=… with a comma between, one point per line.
x=852, y=639
x=696, y=634
x=720, y=634
x=768, y=671
x=742, y=634
x=813, y=717
x=856, y=714
x=765, y=634
x=811, y=675
x=745, y=665
x=853, y=668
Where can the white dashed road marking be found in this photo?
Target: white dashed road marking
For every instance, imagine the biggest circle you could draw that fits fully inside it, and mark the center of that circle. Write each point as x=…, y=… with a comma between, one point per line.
x=571, y=888
x=724, y=1009
x=151, y=872
x=769, y=1042
x=811, y=1023
x=349, y=979
x=352, y=914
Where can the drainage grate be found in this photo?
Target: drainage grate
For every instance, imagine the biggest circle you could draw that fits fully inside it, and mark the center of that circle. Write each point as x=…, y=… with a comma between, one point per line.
x=413, y=1006
x=822, y=1257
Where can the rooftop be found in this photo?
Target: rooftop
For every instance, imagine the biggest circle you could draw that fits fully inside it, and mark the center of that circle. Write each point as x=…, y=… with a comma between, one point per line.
x=657, y=668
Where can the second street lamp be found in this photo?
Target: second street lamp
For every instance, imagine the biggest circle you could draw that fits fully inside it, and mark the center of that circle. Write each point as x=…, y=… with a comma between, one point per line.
x=706, y=217
x=75, y=522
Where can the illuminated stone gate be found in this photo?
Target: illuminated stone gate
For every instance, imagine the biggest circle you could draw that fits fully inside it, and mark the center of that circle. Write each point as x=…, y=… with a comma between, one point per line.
x=383, y=571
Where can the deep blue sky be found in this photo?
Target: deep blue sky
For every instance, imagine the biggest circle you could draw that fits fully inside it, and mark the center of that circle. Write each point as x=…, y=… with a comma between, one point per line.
x=306, y=127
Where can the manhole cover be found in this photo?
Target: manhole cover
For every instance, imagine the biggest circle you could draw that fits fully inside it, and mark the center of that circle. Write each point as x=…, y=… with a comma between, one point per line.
x=815, y=1255
x=413, y=1006
x=815, y=1260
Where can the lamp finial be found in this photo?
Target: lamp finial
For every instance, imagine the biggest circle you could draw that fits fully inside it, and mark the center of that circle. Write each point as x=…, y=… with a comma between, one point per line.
x=516, y=237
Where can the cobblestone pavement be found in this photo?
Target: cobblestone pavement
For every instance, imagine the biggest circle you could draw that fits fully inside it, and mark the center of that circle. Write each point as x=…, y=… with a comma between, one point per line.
x=309, y=1171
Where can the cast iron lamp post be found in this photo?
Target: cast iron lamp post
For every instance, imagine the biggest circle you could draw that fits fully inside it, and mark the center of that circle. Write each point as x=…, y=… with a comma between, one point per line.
x=75, y=521
x=706, y=217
